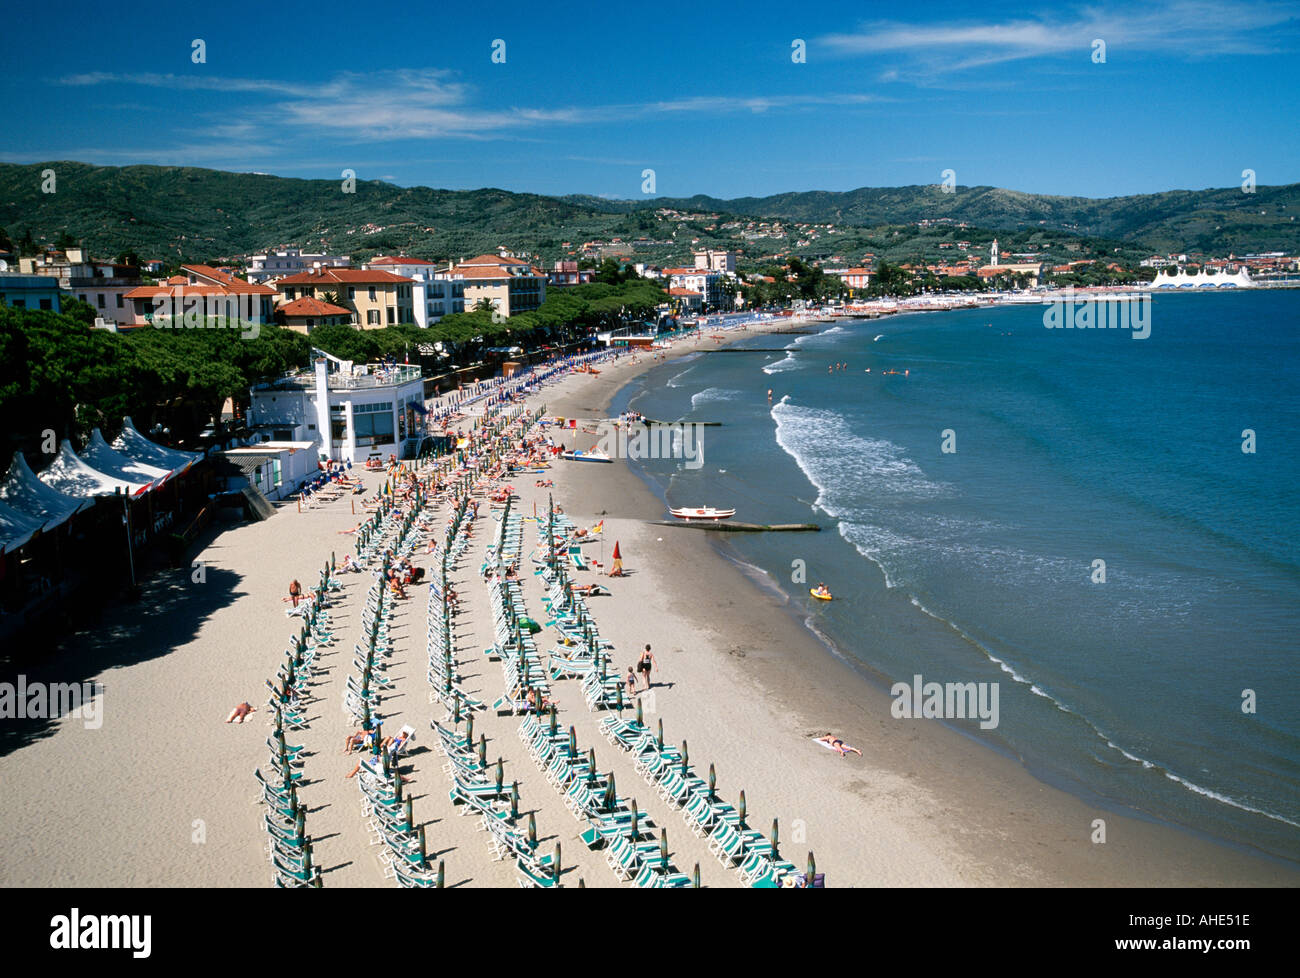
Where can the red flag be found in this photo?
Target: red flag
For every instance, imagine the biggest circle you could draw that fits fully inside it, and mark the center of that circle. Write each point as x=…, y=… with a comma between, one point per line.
x=617, y=556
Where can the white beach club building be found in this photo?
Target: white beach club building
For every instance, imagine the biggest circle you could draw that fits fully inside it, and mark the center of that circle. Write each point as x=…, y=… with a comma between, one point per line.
x=350, y=413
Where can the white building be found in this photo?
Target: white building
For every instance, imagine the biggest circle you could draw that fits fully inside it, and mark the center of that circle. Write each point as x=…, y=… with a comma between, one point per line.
x=716, y=261
x=349, y=414
x=291, y=261
x=706, y=282
x=277, y=468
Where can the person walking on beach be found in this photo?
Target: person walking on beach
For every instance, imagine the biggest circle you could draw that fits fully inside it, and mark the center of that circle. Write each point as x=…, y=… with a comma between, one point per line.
x=644, y=664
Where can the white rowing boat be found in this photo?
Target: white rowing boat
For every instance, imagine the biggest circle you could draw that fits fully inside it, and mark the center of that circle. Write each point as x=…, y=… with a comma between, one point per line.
x=702, y=513
x=585, y=457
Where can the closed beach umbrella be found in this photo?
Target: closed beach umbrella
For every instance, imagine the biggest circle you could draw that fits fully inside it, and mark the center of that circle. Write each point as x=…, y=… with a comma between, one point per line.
x=532, y=830
x=501, y=774
x=663, y=848
x=591, y=765
x=482, y=751
x=556, y=865
x=640, y=715
x=410, y=814
x=469, y=729
x=776, y=839
x=514, y=801
x=636, y=817
x=661, y=733
x=695, y=877
x=812, y=870
x=713, y=784
x=424, y=858
x=554, y=719
x=742, y=809
x=442, y=875
x=610, y=793
x=573, y=743
x=686, y=757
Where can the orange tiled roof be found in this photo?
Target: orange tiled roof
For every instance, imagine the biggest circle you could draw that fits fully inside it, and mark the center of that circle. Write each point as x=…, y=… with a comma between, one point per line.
x=344, y=276
x=215, y=276
x=313, y=307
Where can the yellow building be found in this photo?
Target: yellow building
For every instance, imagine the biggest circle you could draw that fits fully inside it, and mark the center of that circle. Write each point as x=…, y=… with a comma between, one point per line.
x=510, y=285
x=375, y=299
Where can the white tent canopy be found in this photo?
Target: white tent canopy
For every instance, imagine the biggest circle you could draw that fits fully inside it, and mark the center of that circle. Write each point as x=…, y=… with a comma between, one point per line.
x=15, y=528
x=23, y=491
x=136, y=446
x=73, y=477
x=98, y=454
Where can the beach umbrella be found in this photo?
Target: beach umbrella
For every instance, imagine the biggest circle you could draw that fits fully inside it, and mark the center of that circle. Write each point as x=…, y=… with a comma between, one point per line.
x=742, y=809
x=713, y=784
x=482, y=751
x=300, y=824
x=501, y=774
x=695, y=877
x=556, y=864
x=640, y=716
x=636, y=817
x=581, y=885
x=456, y=709
x=573, y=743
x=424, y=858
x=397, y=785
x=469, y=728
x=532, y=830
x=686, y=757
x=776, y=838
x=620, y=700
x=410, y=813
x=442, y=875
x=811, y=874
x=554, y=719
x=514, y=801
x=663, y=848
x=610, y=794
x=591, y=766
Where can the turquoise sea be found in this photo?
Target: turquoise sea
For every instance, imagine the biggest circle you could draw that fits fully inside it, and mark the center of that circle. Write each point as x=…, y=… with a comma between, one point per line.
x=980, y=564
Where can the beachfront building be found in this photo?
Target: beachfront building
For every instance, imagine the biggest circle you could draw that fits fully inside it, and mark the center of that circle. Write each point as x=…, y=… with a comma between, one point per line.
x=374, y=298
x=717, y=261
x=686, y=300
x=102, y=285
x=30, y=291
x=1029, y=270
x=509, y=285
x=704, y=281
x=348, y=414
x=305, y=314
x=211, y=292
x=290, y=261
x=277, y=469
x=436, y=291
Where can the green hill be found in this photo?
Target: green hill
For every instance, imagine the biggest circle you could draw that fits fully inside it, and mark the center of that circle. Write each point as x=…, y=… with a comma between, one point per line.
x=195, y=214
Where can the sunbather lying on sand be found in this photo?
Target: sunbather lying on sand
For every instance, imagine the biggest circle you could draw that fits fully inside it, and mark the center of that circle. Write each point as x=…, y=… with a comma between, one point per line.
x=238, y=713
x=835, y=743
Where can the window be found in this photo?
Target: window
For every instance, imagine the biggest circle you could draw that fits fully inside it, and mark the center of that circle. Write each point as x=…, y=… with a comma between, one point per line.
x=45, y=303
x=119, y=300
x=352, y=293
x=392, y=316
x=372, y=317
x=100, y=297
x=374, y=425
x=372, y=293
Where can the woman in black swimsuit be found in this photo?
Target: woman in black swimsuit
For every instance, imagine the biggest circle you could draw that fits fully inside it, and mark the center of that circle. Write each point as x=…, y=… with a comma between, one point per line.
x=645, y=664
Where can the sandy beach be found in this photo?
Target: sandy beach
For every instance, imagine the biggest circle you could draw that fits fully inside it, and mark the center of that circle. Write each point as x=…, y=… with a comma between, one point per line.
x=163, y=793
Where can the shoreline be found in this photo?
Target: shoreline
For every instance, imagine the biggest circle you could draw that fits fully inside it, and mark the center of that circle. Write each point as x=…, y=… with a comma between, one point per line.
x=994, y=787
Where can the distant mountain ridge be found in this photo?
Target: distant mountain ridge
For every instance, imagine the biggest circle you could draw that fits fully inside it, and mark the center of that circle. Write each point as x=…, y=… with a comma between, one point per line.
x=193, y=213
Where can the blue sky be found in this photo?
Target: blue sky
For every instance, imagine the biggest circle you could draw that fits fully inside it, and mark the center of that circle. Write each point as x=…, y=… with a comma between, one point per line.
x=708, y=96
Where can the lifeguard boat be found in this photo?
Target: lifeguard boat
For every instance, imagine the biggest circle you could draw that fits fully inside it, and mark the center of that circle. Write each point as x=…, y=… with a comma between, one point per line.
x=702, y=513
